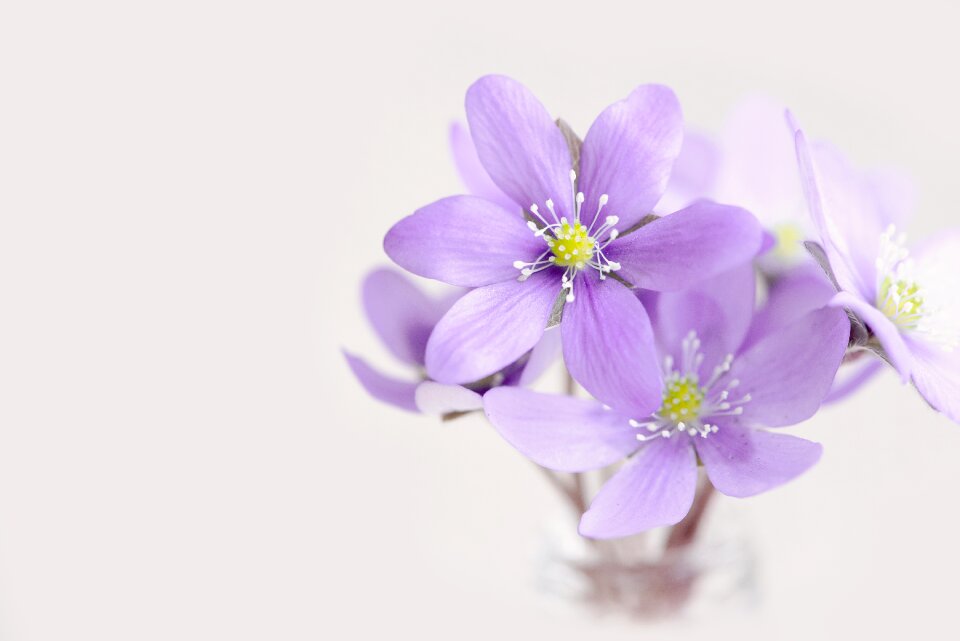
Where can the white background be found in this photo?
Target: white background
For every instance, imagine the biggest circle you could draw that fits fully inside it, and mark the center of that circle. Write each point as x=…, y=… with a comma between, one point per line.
x=190, y=193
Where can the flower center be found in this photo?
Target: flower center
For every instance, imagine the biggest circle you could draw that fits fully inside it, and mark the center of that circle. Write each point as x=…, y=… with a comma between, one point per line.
x=688, y=406
x=901, y=301
x=573, y=246
x=917, y=298
x=682, y=399
x=788, y=236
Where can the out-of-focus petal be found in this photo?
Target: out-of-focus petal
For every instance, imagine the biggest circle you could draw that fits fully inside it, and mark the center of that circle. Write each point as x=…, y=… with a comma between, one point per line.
x=694, y=244
x=438, y=398
x=788, y=372
x=654, y=488
x=936, y=374
x=462, y=240
x=759, y=168
x=895, y=195
x=490, y=327
x=848, y=382
x=385, y=388
x=401, y=314
x=475, y=178
x=609, y=349
x=542, y=356
x=559, y=432
x=518, y=143
x=629, y=151
x=742, y=462
x=694, y=173
x=883, y=328
x=718, y=309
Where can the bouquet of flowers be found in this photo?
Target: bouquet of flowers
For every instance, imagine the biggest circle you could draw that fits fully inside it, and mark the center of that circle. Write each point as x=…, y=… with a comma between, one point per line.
x=702, y=293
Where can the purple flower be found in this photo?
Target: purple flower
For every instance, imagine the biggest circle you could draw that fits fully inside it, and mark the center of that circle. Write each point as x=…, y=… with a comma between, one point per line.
x=753, y=163
x=908, y=302
x=725, y=376
x=403, y=317
x=569, y=244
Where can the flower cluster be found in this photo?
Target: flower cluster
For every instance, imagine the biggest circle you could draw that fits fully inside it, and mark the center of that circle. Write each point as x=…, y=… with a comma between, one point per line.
x=696, y=328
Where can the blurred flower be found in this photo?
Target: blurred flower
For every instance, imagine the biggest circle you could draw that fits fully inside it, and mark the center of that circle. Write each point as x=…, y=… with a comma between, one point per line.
x=569, y=243
x=726, y=374
x=753, y=164
x=403, y=317
x=909, y=303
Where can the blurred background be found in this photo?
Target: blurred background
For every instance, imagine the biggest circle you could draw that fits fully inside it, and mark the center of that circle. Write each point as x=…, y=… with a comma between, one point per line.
x=190, y=194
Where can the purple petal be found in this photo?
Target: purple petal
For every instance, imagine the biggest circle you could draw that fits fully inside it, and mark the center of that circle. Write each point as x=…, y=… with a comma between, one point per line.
x=936, y=373
x=759, y=169
x=629, y=151
x=719, y=310
x=654, y=488
x=694, y=173
x=437, y=398
x=401, y=314
x=883, y=328
x=795, y=294
x=694, y=244
x=788, y=372
x=462, y=240
x=518, y=143
x=490, y=327
x=856, y=376
x=382, y=387
x=559, y=432
x=542, y=356
x=475, y=178
x=844, y=213
x=742, y=462
x=608, y=347
x=895, y=196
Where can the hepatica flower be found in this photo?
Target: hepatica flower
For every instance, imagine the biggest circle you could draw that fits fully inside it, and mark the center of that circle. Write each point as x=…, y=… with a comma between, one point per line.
x=403, y=317
x=722, y=383
x=907, y=300
x=568, y=236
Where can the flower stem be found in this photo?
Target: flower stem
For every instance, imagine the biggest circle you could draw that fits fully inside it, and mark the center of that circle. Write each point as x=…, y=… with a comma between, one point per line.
x=684, y=532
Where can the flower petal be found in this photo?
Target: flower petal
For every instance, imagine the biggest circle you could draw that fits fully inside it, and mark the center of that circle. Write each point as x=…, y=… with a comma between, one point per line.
x=696, y=243
x=382, y=387
x=742, y=462
x=654, y=488
x=629, y=151
x=759, y=169
x=883, y=328
x=559, y=432
x=474, y=177
x=718, y=309
x=936, y=373
x=796, y=293
x=401, y=314
x=694, y=173
x=490, y=327
x=462, y=240
x=848, y=382
x=788, y=372
x=609, y=349
x=844, y=213
x=437, y=398
x=518, y=143
x=542, y=356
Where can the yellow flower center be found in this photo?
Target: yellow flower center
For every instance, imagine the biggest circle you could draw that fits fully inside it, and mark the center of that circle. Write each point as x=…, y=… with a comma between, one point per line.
x=789, y=237
x=571, y=245
x=682, y=399
x=901, y=301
